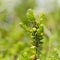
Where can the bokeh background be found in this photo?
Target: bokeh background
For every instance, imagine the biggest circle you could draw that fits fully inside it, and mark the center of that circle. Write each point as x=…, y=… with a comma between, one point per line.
x=14, y=42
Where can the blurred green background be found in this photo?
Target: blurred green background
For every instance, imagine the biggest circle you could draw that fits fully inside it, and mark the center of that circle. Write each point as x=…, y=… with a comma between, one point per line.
x=14, y=42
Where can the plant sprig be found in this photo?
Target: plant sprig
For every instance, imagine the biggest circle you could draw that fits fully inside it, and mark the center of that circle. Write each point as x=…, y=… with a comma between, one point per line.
x=36, y=29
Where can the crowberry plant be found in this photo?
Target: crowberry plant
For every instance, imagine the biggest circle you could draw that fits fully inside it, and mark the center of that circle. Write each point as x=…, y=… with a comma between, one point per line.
x=36, y=29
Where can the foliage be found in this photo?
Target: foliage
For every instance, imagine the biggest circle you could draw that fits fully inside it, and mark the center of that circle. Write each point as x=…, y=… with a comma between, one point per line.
x=17, y=42
x=37, y=30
